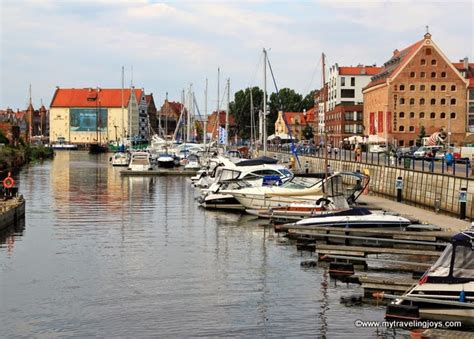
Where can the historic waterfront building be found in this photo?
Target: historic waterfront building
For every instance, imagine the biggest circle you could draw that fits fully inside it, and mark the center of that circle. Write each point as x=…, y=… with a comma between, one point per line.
x=296, y=121
x=168, y=117
x=88, y=115
x=342, y=122
x=417, y=87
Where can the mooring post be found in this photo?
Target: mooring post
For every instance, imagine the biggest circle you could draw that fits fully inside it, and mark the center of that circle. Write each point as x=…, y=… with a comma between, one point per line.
x=462, y=202
x=399, y=187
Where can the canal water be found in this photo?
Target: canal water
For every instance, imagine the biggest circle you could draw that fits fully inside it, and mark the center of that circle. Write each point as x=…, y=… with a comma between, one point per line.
x=110, y=256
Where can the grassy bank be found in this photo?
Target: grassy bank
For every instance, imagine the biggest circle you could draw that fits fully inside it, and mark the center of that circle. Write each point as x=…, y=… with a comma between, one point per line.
x=11, y=157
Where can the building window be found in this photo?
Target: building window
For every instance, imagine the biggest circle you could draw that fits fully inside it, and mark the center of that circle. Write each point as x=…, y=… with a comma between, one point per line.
x=422, y=87
x=453, y=115
x=433, y=115
x=422, y=62
x=353, y=81
x=401, y=128
x=443, y=101
x=343, y=81
x=412, y=74
x=433, y=62
x=402, y=101
x=412, y=87
x=443, y=87
x=433, y=102
x=453, y=88
x=412, y=101
x=422, y=101
x=401, y=115
x=443, y=74
x=412, y=115
x=433, y=74
x=453, y=101
x=402, y=87
x=442, y=115
x=422, y=115
x=433, y=87
x=412, y=128
x=428, y=51
x=422, y=75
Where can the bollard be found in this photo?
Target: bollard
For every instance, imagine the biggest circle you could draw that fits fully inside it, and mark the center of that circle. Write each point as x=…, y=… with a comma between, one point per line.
x=437, y=205
x=462, y=203
x=306, y=167
x=399, y=187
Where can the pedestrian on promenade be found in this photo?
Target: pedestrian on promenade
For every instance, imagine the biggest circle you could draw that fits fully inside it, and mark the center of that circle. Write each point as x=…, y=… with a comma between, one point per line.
x=449, y=158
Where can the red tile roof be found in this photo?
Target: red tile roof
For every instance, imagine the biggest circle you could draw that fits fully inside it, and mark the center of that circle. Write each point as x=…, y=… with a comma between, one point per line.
x=359, y=70
x=87, y=97
x=290, y=116
x=311, y=115
x=460, y=65
x=397, y=61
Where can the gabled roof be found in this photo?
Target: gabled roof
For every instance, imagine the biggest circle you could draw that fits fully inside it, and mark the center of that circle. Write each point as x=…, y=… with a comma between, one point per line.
x=396, y=62
x=222, y=115
x=311, y=115
x=289, y=116
x=91, y=97
x=359, y=70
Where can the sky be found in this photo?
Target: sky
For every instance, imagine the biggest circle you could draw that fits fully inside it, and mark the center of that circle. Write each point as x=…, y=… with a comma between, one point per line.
x=165, y=47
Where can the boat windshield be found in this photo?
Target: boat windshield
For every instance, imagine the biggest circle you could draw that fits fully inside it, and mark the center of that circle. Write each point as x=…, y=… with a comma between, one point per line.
x=463, y=266
x=441, y=266
x=302, y=182
x=287, y=173
x=228, y=174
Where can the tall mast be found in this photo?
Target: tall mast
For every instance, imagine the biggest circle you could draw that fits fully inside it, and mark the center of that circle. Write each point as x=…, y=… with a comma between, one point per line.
x=227, y=115
x=251, y=119
x=123, y=116
x=205, y=117
x=218, y=97
x=326, y=162
x=264, y=102
x=30, y=118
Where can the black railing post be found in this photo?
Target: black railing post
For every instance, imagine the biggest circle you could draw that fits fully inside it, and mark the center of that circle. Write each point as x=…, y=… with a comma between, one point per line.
x=399, y=187
x=462, y=203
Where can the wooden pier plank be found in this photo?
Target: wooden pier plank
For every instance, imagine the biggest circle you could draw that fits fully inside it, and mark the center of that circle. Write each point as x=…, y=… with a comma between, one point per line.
x=338, y=249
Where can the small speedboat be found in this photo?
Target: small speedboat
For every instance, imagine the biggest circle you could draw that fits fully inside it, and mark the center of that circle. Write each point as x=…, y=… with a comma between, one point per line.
x=120, y=159
x=446, y=291
x=192, y=162
x=166, y=160
x=140, y=161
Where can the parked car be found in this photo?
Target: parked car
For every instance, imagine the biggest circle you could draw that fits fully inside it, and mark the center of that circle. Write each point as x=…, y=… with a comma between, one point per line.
x=426, y=151
x=377, y=148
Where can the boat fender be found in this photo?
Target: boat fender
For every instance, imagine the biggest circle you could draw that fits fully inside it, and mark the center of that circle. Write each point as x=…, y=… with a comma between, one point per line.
x=8, y=182
x=462, y=296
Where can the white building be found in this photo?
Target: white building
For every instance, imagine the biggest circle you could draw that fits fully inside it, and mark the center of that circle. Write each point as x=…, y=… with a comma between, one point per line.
x=345, y=84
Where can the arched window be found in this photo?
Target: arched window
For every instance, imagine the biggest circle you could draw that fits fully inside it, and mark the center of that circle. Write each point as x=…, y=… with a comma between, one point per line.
x=442, y=115
x=453, y=87
x=402, y=101
x=433, y=87
x=443, y=101
x=412, y=115
x=422, y=87
x=433, y=74
x=443, y=87
x=401, y=128
x=401, y=115
x=412, y=128
x=433, y=62
x=443, y=74
x=422, y=75
x=412, y=74
x=422, y=101
x=422, y=62
x=422, y=115
x=453, y=115
x=412, y=87
x=433, y=115
x=453, y=101
x=412, y=101
x=402, y=87
x=433, y=102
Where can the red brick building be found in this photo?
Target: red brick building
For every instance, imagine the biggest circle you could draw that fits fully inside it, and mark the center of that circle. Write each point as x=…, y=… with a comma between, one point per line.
x=418, y=86
x=213, y=123
x=343, y=122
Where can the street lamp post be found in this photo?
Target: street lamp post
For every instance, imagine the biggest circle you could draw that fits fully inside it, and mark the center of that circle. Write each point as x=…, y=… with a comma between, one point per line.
x=448, y=96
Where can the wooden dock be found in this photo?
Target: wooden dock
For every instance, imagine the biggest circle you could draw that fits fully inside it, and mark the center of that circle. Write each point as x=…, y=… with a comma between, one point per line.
x=363, y=251
x=160, y=172
x=374, y=284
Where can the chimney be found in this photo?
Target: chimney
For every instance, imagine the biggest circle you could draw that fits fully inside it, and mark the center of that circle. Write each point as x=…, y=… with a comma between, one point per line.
x=466, y=63
x=395, y=52
x=362, y=71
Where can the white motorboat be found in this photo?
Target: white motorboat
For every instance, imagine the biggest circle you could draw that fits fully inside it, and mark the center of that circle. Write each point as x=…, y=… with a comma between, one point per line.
x=192, y=162
x=350, y=220
x=61, y=144
x=446, y=290
x=120, y=159
x=166, y=160
x=140, y=161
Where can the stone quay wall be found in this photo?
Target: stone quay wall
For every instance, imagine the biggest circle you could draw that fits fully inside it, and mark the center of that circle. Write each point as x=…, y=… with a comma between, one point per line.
x=429, y=190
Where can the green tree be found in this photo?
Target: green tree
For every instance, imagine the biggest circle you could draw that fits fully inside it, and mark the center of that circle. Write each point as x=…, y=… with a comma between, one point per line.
x=287, y=100
x=308, y=133
x=308, y=101
x=419, y=140
x=240, y=109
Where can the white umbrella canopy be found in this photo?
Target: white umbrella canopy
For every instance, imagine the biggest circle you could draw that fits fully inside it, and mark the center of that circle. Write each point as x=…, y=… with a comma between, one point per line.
x=282, y=136
x=374, y=139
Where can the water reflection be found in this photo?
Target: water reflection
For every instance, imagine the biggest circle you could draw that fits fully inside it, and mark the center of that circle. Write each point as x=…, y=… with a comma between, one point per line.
x=10, y=235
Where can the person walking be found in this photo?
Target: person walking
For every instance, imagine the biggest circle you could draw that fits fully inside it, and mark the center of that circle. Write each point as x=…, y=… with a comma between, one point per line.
x=449, y=158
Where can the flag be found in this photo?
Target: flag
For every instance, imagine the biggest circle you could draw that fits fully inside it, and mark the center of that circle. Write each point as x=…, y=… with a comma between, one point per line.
x=222, y=135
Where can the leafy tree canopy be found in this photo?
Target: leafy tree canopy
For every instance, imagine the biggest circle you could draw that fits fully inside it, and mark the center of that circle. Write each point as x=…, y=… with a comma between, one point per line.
x=240, y=109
